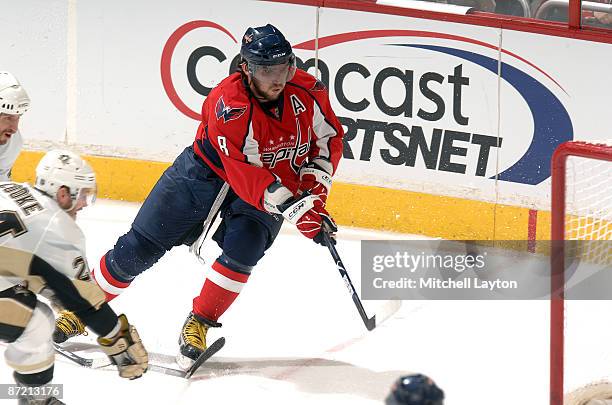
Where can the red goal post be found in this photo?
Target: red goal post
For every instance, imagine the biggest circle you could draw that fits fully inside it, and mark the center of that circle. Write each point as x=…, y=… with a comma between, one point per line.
x=575, y=217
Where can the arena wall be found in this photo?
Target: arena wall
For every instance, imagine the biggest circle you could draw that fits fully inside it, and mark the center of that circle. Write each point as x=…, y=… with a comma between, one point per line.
x=450, y=125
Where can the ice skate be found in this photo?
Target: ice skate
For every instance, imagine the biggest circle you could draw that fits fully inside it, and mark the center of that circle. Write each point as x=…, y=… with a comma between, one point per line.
x=67, y=326
x=192, y=341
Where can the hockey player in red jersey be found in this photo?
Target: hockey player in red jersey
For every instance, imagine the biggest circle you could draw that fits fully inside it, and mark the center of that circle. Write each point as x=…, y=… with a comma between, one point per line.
x=266, y=150
x=275, y=141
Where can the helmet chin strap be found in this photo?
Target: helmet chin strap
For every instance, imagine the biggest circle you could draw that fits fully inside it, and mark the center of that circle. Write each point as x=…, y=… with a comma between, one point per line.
x=73, y=201
x=72, y=205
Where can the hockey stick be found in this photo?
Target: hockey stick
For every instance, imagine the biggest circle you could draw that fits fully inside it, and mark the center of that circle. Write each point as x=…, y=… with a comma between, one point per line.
x=384, y=313
x=105, y=362
x=196, y=247
x=207, y=354
x=82, y=361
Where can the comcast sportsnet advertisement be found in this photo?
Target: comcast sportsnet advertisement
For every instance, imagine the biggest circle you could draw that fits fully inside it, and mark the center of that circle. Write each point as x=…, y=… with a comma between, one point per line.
x=418, y=107
x=429, y=106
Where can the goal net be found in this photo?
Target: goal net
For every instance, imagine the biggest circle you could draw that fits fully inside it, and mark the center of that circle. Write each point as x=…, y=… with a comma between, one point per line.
x=581, y=329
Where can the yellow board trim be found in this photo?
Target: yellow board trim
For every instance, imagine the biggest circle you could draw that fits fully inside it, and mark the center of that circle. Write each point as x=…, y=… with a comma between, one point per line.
x=351, y=204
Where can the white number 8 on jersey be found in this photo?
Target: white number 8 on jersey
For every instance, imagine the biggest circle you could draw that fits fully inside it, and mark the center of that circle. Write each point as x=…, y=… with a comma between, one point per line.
x=223, y=145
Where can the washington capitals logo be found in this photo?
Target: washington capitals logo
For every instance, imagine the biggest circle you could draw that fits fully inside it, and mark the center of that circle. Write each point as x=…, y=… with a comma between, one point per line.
x=227, y=112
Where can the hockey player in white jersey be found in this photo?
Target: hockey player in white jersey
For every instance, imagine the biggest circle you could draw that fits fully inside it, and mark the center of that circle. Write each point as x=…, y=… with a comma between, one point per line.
x=14, y=101
x=42, y=251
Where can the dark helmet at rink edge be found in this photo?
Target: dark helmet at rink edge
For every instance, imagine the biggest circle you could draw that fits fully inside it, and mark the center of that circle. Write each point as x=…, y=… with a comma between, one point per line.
x=265, y=46
x=415, y=389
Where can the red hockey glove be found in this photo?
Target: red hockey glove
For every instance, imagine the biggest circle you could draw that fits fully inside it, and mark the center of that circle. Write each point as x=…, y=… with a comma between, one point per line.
x=315, y=222
x=310, y=217
x=315, y=178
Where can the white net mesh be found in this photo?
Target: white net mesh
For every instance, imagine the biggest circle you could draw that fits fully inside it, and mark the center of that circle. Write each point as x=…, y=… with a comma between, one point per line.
x=588, y=218
x=588, y=207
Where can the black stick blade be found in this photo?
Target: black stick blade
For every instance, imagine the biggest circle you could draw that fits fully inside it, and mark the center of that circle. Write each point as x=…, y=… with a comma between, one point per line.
x=207, y=354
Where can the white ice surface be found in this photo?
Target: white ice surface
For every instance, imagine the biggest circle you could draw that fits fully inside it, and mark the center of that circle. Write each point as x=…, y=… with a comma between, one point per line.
x=294, y=336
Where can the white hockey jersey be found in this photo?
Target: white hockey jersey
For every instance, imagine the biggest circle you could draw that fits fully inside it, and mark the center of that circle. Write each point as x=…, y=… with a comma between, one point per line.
x=8, y=155
x=32, y=222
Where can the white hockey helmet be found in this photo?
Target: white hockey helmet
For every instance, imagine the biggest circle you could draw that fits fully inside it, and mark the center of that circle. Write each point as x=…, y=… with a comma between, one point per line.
x=13, y=98
x=64, y=168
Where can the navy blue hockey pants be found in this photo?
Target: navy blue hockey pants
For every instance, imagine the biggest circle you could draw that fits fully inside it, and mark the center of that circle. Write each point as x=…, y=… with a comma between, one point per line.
x=174, y=212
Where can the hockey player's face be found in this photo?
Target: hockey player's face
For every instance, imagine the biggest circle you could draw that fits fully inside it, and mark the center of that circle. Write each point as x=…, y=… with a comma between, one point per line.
x=85, y=198
x=8, y=126
x=268, y=82
x=266, y=91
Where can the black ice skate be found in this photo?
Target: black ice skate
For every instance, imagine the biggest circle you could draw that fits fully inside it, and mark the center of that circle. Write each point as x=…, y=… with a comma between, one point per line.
x=192, y=340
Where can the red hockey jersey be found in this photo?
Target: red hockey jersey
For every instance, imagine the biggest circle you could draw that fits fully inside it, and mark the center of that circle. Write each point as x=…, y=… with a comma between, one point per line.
x=250, y=147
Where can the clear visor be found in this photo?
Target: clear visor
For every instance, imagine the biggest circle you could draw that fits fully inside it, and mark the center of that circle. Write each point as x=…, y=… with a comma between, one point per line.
x=274, y=74
x=87, y=196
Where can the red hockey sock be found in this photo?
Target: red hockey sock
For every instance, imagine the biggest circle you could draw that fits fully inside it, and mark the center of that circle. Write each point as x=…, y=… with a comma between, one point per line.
x=111, y=287
x=220, y=289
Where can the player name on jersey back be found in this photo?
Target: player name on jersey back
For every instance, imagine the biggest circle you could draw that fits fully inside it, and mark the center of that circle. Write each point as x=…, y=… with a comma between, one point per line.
x=22, y=197
x=33, y=222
